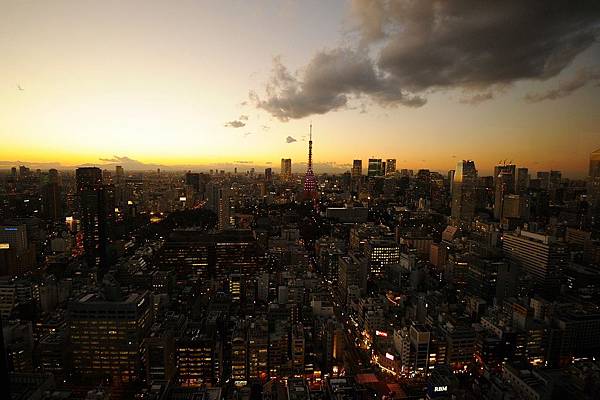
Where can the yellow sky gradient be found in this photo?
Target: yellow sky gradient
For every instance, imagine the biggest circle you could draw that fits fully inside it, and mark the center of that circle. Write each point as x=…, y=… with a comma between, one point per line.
x=159, y=86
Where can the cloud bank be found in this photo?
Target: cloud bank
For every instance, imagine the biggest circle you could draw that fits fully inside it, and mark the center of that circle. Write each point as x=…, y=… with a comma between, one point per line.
x=408, y=49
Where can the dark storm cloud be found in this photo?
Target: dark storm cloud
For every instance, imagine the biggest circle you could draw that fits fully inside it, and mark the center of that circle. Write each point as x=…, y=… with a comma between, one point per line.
x=565, y=88
x=326, y=84
x=235, y=124
x=290, y=139
x=432, y=44
x=428, y=45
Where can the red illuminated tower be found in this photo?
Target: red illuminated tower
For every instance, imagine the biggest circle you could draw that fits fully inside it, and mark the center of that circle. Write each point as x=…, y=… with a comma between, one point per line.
x=310, y=182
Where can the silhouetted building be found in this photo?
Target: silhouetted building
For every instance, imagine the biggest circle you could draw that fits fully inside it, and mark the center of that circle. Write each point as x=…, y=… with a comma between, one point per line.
x=463, y=192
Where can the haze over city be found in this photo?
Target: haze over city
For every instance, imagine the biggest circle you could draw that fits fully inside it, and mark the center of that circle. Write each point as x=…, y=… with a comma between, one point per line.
x=208, y=82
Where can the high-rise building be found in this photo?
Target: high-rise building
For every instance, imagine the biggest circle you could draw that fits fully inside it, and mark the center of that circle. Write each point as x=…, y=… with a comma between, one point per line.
x=540, y=256
x=595, y=164
x=225, y=211
x=504, y=184
x=192, y=180
x=522, y=183
x=544, y=179
x=268, y=174
x=356, y=168
x=310, y=182
x=593, y=186
x=107, y=337
x=93, y=215
x=51, y=196
x=119, y=174
x=286, y=168
x=375, y=167
x=390, y=166
x=464, y=192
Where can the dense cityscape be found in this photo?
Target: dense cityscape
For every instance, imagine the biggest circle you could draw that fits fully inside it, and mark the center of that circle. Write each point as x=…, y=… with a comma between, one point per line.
x=300, y=200
x=379, y=283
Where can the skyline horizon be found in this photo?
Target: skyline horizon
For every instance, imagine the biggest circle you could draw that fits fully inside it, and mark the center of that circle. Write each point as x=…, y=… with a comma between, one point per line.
x=330, y=167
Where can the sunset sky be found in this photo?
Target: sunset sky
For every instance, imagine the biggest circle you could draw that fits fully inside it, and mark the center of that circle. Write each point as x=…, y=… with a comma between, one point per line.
x=196, y=82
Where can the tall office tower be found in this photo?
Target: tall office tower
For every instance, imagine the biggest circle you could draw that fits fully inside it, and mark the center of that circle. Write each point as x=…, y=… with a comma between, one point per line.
x=390, y=166
x=286, y=168
x=522, y=184
x=450, y=181
x=51, y=195
x=212, y=197
x=540, y=256
x=192, y=180
x=593, y=187
x=23, y=171
x=53, y=176
x=595, y=164
x=504, y=184
x=119, y=174
x=310, y=182
x=555, y=179
x=356, y=168
x=107, y=336
x=374, y=167
x=92, y=210
x=268, y=174
x=544, y=178
x=225, y=211
x=464, y=191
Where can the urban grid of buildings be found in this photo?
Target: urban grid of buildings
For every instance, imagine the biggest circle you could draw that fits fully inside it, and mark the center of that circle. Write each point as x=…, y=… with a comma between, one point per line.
x=379, y=284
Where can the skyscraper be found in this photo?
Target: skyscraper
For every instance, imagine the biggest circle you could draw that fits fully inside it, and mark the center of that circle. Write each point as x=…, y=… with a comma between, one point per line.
x=286, y=168
x=595, y=164
x=268, y=174
x=225, y=208
x=119, y=174
x=504, y=184
x=92, y=210
x=593, y=188
x=390, y=166
x=375, y=167
x=463, y=192
x=310, y=182
x=356, y=168
x=522, y=180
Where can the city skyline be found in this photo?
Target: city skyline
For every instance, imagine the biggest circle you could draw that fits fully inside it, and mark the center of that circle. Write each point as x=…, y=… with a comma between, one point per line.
x=174, y=86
